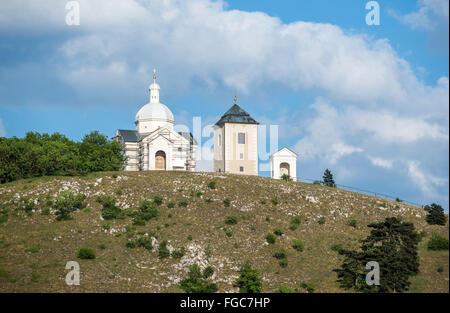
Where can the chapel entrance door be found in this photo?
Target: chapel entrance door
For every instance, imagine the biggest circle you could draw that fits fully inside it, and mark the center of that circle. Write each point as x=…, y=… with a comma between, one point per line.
x=160, y=160
x=284, y=169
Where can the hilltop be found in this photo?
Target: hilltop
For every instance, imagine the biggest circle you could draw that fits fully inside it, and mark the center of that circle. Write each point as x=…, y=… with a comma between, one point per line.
x=34, y=247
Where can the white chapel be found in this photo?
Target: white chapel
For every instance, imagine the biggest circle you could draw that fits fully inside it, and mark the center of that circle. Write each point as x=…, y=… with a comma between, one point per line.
x=154, y=145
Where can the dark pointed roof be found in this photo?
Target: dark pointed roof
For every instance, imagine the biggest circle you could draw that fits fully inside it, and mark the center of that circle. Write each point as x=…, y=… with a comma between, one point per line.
x=236, y=115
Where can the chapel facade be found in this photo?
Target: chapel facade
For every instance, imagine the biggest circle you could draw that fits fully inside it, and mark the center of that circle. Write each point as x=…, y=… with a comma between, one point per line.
x=154, y=145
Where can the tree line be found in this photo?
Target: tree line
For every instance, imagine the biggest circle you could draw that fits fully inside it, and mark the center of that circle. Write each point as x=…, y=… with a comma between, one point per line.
x=43, y=155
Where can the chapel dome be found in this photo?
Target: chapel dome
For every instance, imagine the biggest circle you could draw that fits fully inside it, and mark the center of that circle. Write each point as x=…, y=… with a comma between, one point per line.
x=155, y=112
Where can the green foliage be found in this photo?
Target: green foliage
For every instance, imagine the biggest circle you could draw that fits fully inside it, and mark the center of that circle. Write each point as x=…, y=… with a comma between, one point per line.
x=44, y=155
x=308, y=287
x=249, y=280
x=147, y=210
x=228, y=232
x=68, y=202
x=110, y=210
x=286, y=177
x=212, y=184
x=86, y=254
x=226, y=202
x=163, y=252
x=32, y=249
x=271, y=238
x=171, y=205
x=298, y=245
x=278, y=232
x=336, y=247
x=437, y=242
x=328, y=179
x=196, y=283
x=231, y=220
x=280, y=254
x=274, y=201
x=321, y=220
x=183, y=203
x=352, y=223
x=208, y=272
x=199, y=194
x=157, y=200
x=189, y=237
x=295, y=223
x=393, y=244
x=178, y=253
x=285, y=289
x=435, y=214
x=283, y=262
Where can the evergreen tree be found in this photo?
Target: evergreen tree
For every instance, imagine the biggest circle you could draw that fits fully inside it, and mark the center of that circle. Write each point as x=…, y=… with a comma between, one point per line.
x=435, y=214
x=328, y=179
x=393, y=244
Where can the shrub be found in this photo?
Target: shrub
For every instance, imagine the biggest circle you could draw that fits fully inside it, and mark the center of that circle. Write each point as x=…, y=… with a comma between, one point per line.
x=285, y=289
x=435, y=214
x=280, y=254
x=212, y=185
x=336, y=247
x=147, y=211
x=163, y=252
x=194, y=283
x=86, y=254
x=182, y=203
x=144, y=242
x=157, y=200
x=274, y=201
x=32, y=249
x=308, y=287
x=171, y=205
x=249, y=280
x=110, y=210
x=437, y=242
x=270, y=238
x=102, y=246
x=317, y=182
x=352, y=223
x=231, y=220
x=178, y=253
x=228, y=232
x=267, y=219
x=208, y=272
x=286, y=177
x=298, y=245
x=189, y=237
x=199, y=194
x=226, y=202
x=283, y=263
x=440, y=269
x=322, y=220
x=278, y=232
x=131, y=244
x=68, y=202
x=295, y=223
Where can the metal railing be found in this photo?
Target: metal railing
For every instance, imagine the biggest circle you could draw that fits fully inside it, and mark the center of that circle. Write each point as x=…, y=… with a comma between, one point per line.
x=367, y=192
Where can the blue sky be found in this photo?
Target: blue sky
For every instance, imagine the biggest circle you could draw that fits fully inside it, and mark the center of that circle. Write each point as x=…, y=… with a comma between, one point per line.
x=368, y=102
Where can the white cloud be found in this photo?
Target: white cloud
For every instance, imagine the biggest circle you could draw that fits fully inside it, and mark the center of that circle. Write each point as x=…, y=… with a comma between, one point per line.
x=425, y=181
x=387, y=164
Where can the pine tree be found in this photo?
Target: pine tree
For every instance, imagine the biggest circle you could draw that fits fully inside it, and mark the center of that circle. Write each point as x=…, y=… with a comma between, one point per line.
x=393, y=244
x=328, y=179
x=435, y=214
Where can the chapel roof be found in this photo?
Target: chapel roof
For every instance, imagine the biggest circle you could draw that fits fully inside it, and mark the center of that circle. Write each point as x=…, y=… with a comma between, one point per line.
x=236, y=115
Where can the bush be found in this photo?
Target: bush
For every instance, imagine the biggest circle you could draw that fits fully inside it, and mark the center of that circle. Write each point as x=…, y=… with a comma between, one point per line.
x=212, y=185
x=182, y=203
x=336, y=247
x=157, y=200
x=110, y=210
x=228, y=232
x=352, y=223
x=308, y=287
x=231, y=220
x=144, y=242
x=270, y=238
x=295, y=223
x=283, y=263
x=171, y=205
x=163, y=252
x=286, y=177
x=437, y=242
x=86, y=254
x=280, y=254
x=178, y=253
x=435, y=214
x=298, y=245
x=68, y=202
x=195, y=283
x=285, y=289
x=208, y=272
x=226, y=202
x=278, y=232
x=322, y=220
x=249, y=280
x=274, y=201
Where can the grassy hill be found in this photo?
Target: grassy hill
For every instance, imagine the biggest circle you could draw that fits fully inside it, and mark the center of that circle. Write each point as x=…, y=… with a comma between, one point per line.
x=34, y=247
